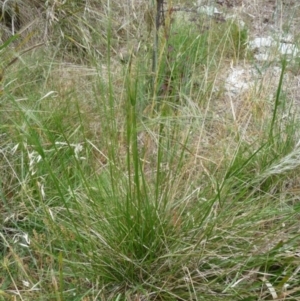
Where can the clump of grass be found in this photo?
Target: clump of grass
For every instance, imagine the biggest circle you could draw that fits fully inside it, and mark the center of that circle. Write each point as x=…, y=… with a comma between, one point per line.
x=183, y=52
x=238, y=39
x=102, y=200
x=231, y=38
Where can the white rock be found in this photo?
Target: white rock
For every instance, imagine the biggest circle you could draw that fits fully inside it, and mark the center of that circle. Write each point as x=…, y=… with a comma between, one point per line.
x=265, y=45
x=290, y=49
x=208, y=10
x=261, y=42
x=237, y=81
x=262, y=57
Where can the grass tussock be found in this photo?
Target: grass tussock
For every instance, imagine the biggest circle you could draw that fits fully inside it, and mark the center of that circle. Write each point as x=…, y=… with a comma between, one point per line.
x=120, y=183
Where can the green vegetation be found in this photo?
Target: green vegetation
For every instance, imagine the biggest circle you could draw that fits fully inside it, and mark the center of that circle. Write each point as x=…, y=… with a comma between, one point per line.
x=114, y=189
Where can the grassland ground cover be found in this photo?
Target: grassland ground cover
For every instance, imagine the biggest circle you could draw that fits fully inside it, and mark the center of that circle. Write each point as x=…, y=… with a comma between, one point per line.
x=121, y=179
